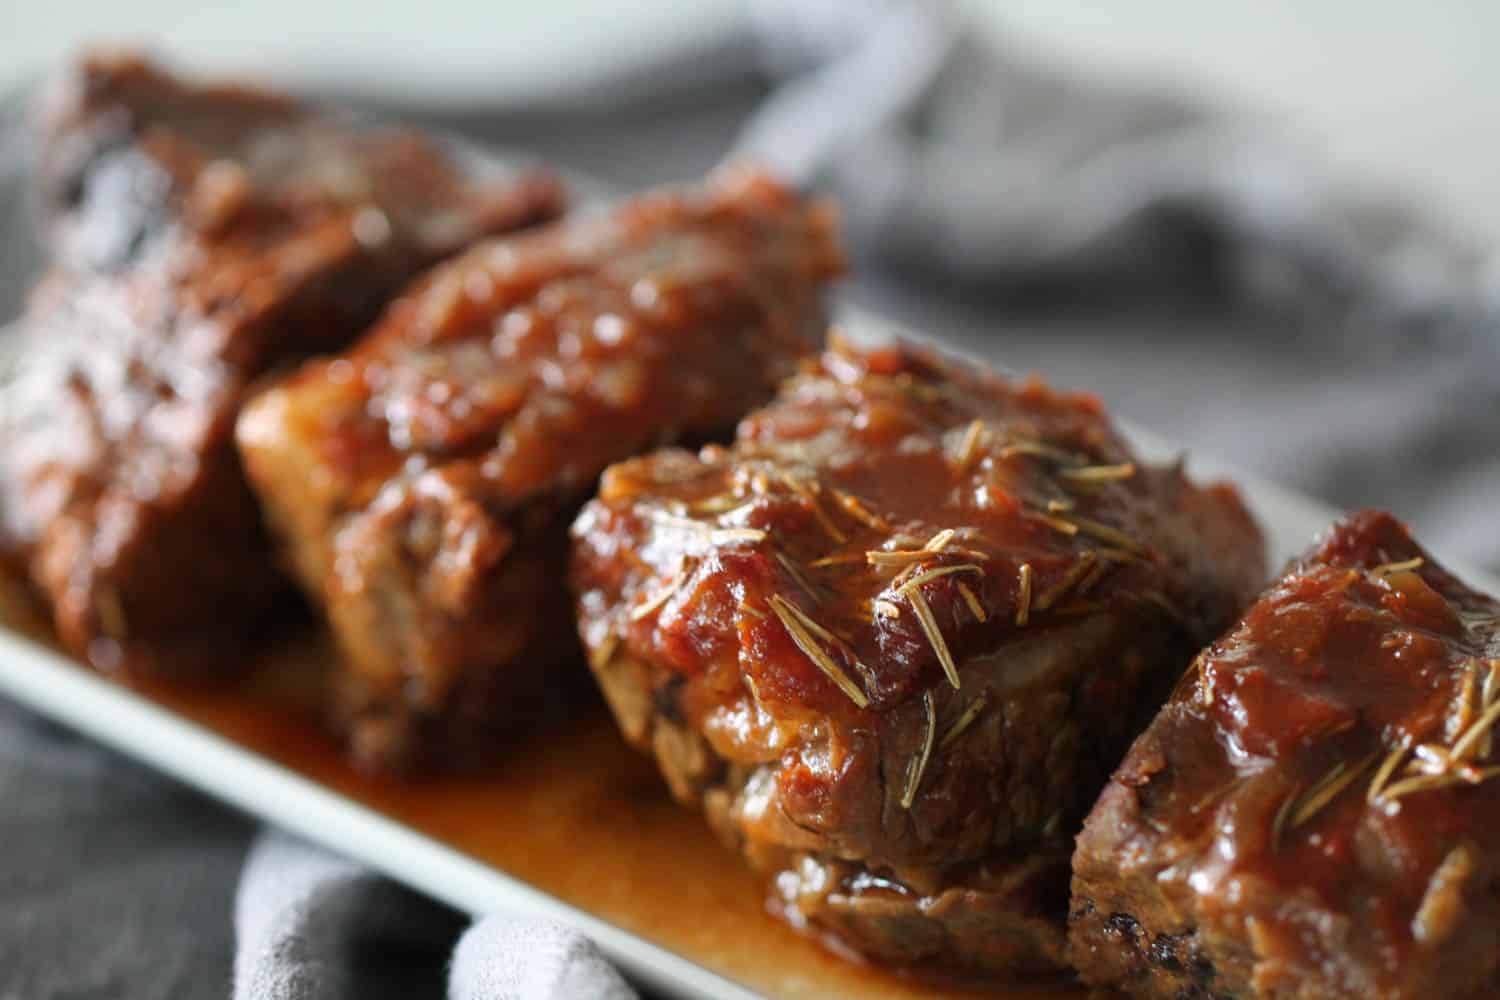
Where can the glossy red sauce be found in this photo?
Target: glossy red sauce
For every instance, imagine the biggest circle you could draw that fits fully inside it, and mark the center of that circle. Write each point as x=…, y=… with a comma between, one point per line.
x=909, y=612
x=548, y=356
x=1013, y=468
x=1365, y=648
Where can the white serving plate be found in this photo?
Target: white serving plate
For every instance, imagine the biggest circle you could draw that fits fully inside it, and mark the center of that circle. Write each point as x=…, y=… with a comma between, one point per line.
x=38, y=676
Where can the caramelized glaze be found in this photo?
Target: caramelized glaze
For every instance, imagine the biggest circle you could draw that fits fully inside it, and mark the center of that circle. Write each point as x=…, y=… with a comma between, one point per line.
x=1314, y=811
x=893, y=639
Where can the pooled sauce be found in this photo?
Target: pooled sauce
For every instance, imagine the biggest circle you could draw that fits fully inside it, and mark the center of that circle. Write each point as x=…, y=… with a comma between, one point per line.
x=574, y=813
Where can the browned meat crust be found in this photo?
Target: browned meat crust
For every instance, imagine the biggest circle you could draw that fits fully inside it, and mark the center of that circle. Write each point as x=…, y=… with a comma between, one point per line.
x=423, y=484
x=1312, y=815
x=201, y=235
x=893, y=640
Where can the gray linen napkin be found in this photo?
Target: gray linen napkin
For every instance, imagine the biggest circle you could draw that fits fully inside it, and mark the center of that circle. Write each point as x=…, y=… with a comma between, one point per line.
x=1197, y=268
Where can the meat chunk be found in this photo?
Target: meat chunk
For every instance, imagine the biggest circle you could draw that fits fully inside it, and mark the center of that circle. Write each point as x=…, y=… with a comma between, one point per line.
x=1313, y=813
x=201, y=236
x=893, y=640
x=423, y=484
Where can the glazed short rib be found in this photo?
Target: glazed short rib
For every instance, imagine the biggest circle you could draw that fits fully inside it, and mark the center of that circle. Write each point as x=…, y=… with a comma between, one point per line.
x=1314, y=814
x=893, y=640
x=200, y=235
x=423, y=483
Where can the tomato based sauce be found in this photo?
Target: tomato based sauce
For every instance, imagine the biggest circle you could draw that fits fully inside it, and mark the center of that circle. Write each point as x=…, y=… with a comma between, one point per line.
x=577, y=814
x=1318, y=801
x=893, y=638
x=423, y=482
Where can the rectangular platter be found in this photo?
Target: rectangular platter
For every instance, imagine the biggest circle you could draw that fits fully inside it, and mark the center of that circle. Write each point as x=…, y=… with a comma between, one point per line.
x=573, y=825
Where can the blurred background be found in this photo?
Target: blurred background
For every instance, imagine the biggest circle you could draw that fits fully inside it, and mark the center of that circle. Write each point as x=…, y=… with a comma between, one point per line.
x=1405, y=94
x=1265, y=230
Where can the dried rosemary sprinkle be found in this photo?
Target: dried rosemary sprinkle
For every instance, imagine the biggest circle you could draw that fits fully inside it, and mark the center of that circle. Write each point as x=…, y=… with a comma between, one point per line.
x=741, y=510
x=964, y=721
x=838, y=559
x=1328, y=788
x=1278, y=824
x=968, y=447
x=714, y=536
x=972, y=600
x=752, y=612
x=857, y=510
x=1023, y=594
x=1106, y=533
x=1489, y=690
x=1433, y=766
x=662, y=596
x=733, y=536
x=1056, y=506
x=1471, y=737
x=933, y=574
x=810, y=497
x=912, y=591
x=1099, y=473
x=1205, y=688
x=1167, y=605
x=796, y=574
x=667, y=520
x=918, y=764
x=1433, y=759
x=719, y=504
x=802, y=631
x=1431, y=782
x=934, y=635
x=906, y=557
x=1057, y=524
x=1093, y=577
x=809, y=623
x=940, y=541
x=1076, y=572
x=1383, y=775
x=1038, y=450
x=754, y=690
x=1386, y=569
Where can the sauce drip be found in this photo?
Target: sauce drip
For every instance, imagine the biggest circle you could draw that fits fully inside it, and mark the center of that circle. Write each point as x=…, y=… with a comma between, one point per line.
x=575, y=813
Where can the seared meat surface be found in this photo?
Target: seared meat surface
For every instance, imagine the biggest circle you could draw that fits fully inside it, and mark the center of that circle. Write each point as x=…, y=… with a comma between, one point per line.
x=1313, y=815
x=423, y=483
x=893, y=640
x=201, y=236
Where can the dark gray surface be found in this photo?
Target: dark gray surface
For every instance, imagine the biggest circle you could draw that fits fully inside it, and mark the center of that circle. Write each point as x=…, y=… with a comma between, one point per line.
x=116, y=882
x=1284, y=334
